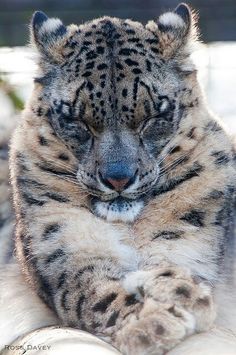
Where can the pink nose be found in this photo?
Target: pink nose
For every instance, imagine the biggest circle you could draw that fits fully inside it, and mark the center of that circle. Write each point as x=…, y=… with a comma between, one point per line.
x=118, y=185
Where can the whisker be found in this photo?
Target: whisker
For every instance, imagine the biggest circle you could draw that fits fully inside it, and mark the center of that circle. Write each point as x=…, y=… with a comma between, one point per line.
x=174, y=163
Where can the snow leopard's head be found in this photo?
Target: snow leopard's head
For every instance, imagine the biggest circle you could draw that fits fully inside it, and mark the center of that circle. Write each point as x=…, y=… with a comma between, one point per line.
x=116, y=92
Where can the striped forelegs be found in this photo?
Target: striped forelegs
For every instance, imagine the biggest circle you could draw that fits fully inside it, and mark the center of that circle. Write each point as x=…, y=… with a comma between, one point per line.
x=93, y=298
x=151, y=310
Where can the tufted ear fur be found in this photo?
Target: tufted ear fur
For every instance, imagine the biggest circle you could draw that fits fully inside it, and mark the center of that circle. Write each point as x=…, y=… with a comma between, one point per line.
x=176, y=32
x=48, y=35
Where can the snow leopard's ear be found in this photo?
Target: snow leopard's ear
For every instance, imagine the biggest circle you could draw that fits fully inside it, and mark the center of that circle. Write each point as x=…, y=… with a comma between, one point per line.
x=176, y=31
x=48, y=35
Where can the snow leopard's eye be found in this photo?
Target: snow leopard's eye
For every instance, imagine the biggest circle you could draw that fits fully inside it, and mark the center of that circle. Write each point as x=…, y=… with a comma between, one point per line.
x=155, y=133
x=72, y=131
x=77, y=136
x=79, y=131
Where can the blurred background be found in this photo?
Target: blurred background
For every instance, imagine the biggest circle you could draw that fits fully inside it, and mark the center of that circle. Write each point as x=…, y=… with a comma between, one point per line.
x=216, y=59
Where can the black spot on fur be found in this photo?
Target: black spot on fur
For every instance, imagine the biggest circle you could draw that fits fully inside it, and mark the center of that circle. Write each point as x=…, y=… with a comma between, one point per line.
x=148, y=65
x=124, y=92
x=152, y=40
x=24, y=181
x=43, y=141
x=134, y=40
x=125, y=108
x=100, y=50
x=50, y=230
x=45, y=289
x=61, y=280
x=194, y=217
x=119, y=66
x=79, y=306
x=137, y=71
x=87, y=74
x=81, y=272
x=102, y=66
x=87, y=43
x=175, y=312
x=167, y=273
x=30, y=200
x=155, y=50
x=89, y=268
x=175, y=149
x=168, y=235
x=130, y=300
x=127, y=51
x=213, y=126
x=222, y=158
x=113, y=318
x=96, y=325
x=90, y=86
x=64, y=300
x=159, y=329
x=130, y=31
x=203, y=301
x=57, y=254
x=63, y=156
x=215, y=194
x=190, y=134
x=135, y=88
x=131, y=62
x=144, y=340
x=183, y=291
x=56, y=197
x=103, y=304
x=91, y=55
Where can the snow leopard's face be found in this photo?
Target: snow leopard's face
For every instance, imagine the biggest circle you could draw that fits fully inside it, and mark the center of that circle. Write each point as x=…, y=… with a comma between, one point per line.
x=114, y=91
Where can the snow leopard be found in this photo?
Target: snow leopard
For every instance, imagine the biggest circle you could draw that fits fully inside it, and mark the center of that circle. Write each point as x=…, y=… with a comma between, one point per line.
x=123, y=183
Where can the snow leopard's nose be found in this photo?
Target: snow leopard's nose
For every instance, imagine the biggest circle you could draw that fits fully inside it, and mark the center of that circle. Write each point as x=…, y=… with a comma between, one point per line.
x=118, y=176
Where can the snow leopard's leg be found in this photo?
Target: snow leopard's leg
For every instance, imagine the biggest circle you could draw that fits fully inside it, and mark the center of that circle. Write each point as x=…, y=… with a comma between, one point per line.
x=80, y=267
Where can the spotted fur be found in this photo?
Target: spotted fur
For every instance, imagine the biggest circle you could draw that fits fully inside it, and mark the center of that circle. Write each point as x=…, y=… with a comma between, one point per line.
x=113, y=99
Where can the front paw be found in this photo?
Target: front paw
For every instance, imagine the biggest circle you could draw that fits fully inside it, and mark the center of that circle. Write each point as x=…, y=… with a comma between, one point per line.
x=156, y=329
x=172, y=285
